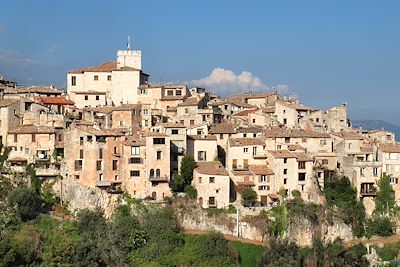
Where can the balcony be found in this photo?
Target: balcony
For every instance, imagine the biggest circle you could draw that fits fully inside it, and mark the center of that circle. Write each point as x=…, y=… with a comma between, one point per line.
x=159, y=178
x=260, y=156
x=368, y=190
x=42, y=158
x=47, y=172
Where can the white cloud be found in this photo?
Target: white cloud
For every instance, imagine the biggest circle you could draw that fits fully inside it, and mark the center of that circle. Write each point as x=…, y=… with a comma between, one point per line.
x=226, y=82
x=10, y=58
x=2, y=29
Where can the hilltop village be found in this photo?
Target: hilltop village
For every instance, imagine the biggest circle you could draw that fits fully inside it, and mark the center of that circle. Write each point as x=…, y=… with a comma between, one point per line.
x=113, y=132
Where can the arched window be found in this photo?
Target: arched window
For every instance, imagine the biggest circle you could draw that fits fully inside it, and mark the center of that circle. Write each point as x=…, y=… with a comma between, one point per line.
x=152, y=173
x=158, y=172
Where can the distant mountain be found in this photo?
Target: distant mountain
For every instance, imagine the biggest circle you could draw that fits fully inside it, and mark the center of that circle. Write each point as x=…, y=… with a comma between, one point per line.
x=377, y=125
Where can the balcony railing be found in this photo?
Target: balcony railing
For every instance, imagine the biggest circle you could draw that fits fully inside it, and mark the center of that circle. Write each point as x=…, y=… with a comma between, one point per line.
x=158, y=178
x=42, y=157
x=368, y=190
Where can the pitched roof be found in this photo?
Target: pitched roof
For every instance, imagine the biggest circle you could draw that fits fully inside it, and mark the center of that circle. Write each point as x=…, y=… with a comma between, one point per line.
x=246, y=141
x=102, y=132
x=38, y=89
x=190, y=101
x=301, y=156
x=211, y=168
x=202, y=137
x=7, y=102
x=250, y=129
x=134, y=140
x=282, y=154
x=389, y=148
x=349, y=135
x=30, y=129
x=293, y=133
x=261, y=170
x=244, y=112
x=239, y=103
x=104, y=67
x=48, y=100
x=296, y=147
x=126, y=107
x=222, y=128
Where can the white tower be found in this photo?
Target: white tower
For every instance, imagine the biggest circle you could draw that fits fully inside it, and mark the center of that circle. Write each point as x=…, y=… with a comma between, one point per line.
x=129, y=58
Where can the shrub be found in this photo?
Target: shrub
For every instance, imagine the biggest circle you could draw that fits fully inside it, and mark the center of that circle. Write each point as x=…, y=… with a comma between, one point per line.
x=378, y=225
x=249, y=197
x=191, y=192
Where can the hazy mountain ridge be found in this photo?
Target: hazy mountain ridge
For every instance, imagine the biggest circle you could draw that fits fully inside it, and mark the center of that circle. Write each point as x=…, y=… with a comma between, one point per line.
x=377, y=125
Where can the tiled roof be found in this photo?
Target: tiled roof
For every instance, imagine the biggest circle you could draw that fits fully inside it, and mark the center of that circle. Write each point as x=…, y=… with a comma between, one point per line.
x=48, y=100
x=127, y=107
x=283, y=133
x=270, y=109
x=244, y=113
x=222, y=128
x=105, y=67
x=282, y=154
x=172, y=125
x=30, y=129
x=155, y=134
x=202, y=137
x=7, y=102
x=302, y=156
x=294, y=105
x=173, y=97
x=239, y=103
x=253, y=95
x=103, y=132
x=261, y=170
x=190, y=101
x=38, y=89
x=253, y=141
x=211, y=168
x=250, y=129
x=349, y=135
x=295, y=147
x=389, y=148
x=134, y=140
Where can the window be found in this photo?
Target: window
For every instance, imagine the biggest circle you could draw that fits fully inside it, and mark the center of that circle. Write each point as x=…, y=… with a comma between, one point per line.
x=204, y=117
x=322, y=142
x=254, y=120
x=100, y=153
x=279, y=147
x=302, y=176
x=121, y=123
x=263, y=178
x=246, y=164
x=33, y=138
x=73, y=80
x=158, y=173
x=81, y=140
x=393, y=180
x=234, y=163
x=199, y=132
x=76, y=177
x=135, y=173
x=159, y=155
x=86, y=97
x=97, y=97
x=191, y=122
x=212, y=180
x=254, y=150
x=244, y=135
x=201, y=156
x=285, y=181
x=170, y=92
x=262, y=187
x=199, y=180
x=96, y=77
x=175, y=131
x=362, y=171
x=284, y=160
x=287, y=140
x=302, y=165
x=15, y=138
x=375, y=171
x=152, y=173
x=284, y=171
x=178, y=92
x=284, y=111
x=78, y=165
x=221, y=136
x=135, y=160
x=81, y=153
x=284, y=121
x=109, y=78
x=350, y=145
x=245, y=150
x=145, y=112
x=186, y=110
x=115, y=165
x=158, y=141
x=98, y=165
x=304, y=139
x=89, y=138
x=319, y=174
x=324, y=162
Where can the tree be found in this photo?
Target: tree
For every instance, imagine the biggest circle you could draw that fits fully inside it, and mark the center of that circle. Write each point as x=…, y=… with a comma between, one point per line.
x=249, y=197
x=385, y=199
x=185, y=177
x=191, y=192
x=26, y=202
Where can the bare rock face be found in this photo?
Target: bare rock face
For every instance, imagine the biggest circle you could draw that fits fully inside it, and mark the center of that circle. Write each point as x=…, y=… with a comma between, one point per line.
x=82, y=197
x=336, y=230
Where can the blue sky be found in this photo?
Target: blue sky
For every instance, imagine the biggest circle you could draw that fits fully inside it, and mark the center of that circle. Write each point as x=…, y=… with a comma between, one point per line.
x=325, y=52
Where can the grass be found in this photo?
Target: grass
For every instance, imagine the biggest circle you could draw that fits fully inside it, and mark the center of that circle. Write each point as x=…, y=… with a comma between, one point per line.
x=215, y=212
x=249, y=253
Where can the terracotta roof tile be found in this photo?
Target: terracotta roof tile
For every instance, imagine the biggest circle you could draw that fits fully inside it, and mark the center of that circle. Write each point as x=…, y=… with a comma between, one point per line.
x=282, y=154
x=211, y=168
x=261, y=170
x=30, y=129
x=105, y=67
x=244, y=113
x=253, y=141
x=294, y=147
x=202, y=137
x=250, y=129
x=389, y=148
x=55, y=101
x=222, y=128
x=7, y=102
x=38, y=89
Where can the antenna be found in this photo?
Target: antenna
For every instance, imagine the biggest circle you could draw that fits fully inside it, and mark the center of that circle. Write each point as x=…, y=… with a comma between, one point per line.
x=129, y=43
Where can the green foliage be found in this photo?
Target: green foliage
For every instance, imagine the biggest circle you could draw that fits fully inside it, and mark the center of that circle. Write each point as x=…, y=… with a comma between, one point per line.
x=342, y=197
x=25, y=201
x=216, y=212
x=385, y=199
x=249, y=197
x=191, y=192
x=296, y=195
x=250, y=254
x=35, y=181
x=185, y=176
x=48, y=196
x=278, y=222
x=381, y=226
x=388, y=252
x=354, y=256
x=282, y=254
x=298, y=209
